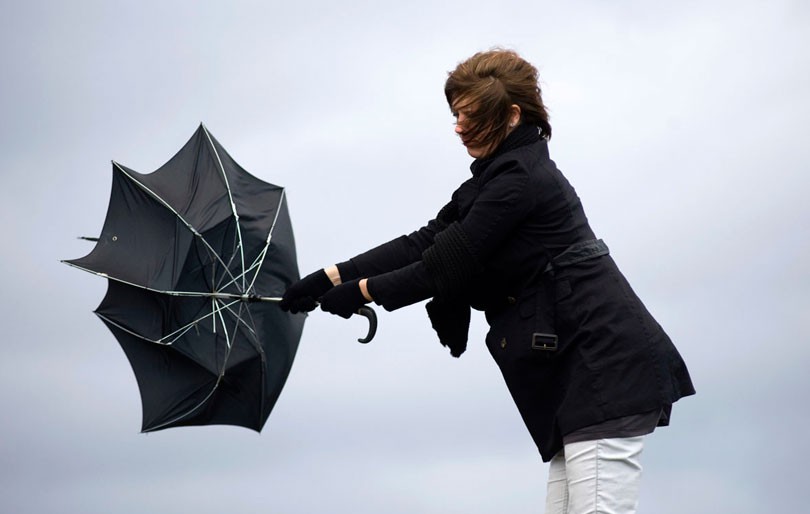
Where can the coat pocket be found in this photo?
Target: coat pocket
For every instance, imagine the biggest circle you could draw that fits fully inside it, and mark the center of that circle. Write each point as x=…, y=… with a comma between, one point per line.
x=524, y=334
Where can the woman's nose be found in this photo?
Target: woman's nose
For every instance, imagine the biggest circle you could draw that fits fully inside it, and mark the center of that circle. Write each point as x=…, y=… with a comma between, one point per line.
x=460, y=122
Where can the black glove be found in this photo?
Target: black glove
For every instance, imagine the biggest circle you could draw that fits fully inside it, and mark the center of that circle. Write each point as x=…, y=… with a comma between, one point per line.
x=302, y=296
x=344, y=300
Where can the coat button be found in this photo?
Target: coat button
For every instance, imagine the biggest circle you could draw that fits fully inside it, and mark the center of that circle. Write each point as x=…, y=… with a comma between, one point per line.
x=503, y=343
x=511, y=300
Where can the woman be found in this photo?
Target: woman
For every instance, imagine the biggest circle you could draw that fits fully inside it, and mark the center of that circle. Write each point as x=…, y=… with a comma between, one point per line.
x=588, y=367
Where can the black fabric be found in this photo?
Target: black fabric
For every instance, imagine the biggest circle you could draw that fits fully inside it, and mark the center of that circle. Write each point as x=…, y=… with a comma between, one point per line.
x=577, y=253
x=451, y=261
x=385, y=291
x=348, y=271
x=199, y=225
x=451, y=321
x=302, y=296
x=522, y=135
x=344, y=299
x=633, y=425
x=448, y=214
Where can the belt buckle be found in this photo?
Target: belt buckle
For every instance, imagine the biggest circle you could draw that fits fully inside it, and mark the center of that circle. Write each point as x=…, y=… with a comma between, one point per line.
x=544, y=342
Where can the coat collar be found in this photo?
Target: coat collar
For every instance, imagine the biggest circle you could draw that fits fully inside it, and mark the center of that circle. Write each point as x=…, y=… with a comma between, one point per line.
x=522, y=135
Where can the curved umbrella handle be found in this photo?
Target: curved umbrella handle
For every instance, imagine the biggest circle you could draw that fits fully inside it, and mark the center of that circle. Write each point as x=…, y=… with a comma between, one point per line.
x=369, y=313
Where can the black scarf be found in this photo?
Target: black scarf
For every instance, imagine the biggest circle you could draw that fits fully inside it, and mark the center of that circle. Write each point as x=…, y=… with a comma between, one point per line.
x=450, y=316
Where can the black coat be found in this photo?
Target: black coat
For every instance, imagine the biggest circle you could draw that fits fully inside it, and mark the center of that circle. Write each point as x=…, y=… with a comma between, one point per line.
x=575, y=344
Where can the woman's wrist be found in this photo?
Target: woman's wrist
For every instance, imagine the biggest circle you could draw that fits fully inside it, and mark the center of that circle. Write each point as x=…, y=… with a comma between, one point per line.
x=334, y=275
x=364, y=289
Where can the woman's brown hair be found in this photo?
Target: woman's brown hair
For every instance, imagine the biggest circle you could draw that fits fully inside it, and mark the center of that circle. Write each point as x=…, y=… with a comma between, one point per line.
x=488, y=84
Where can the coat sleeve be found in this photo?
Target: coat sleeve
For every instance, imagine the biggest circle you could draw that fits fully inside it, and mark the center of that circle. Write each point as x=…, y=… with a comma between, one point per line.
x=502, y=204
x=399, y=252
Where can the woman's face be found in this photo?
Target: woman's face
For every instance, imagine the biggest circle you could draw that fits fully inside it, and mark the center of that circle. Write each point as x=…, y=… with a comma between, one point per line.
x=475, y=150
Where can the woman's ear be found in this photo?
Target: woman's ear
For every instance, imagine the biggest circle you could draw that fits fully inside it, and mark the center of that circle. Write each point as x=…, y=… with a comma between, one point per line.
x=514, y=115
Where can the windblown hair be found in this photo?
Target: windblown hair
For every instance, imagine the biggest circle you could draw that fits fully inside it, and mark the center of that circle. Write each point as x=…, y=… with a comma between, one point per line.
x=487, y=85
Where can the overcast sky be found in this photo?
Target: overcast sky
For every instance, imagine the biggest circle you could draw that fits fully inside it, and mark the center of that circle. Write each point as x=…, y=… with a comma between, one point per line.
x=681, y=124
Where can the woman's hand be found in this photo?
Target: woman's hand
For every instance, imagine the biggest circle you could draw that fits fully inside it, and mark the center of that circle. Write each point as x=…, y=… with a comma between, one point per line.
x=302, y=296
x=345, y=299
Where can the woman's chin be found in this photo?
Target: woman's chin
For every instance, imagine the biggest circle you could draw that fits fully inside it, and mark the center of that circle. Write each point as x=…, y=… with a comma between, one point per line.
x=475, y=152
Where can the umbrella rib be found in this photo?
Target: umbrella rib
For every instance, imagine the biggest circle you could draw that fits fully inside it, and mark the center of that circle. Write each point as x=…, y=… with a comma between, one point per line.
x=131, y=332
x=179, y=216
x=259, y=260
x=182, y=330
x=256, y=343
x=190, y=294
x=220, y=285
x=220, y=375
x=263, y=253
x=179, y=332
x=230, y=197
x=191, y=410
x=140, y=336
x=257, y=263
x=239, y=318
x=217, y=310
x=173, y=336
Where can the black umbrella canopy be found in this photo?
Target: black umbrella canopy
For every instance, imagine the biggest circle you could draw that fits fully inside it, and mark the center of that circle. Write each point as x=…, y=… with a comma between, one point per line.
x=197, y=254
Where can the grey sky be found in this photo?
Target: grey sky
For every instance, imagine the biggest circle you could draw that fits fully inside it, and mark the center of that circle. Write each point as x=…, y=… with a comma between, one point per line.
x=680, y=124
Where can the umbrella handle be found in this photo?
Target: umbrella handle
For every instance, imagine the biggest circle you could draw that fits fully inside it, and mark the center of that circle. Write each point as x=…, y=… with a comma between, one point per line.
x=369, y=313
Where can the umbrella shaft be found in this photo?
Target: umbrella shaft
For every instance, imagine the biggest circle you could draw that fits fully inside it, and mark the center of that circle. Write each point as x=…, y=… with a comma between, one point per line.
x=245, y=297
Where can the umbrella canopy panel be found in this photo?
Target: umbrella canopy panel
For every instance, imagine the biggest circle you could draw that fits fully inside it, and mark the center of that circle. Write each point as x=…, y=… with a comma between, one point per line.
x=189, y=251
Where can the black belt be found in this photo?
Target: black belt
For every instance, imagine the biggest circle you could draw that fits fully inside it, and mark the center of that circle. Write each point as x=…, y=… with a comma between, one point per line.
x=575, y=253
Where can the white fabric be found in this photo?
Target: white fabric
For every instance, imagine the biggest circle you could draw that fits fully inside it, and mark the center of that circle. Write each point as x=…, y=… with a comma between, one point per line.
x=595, y=477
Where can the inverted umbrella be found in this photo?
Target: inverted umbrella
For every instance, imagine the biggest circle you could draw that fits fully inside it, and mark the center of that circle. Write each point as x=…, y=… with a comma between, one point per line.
x=197, y=253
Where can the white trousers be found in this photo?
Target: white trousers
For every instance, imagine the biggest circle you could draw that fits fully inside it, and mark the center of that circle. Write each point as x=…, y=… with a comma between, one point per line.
x=600, y=476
